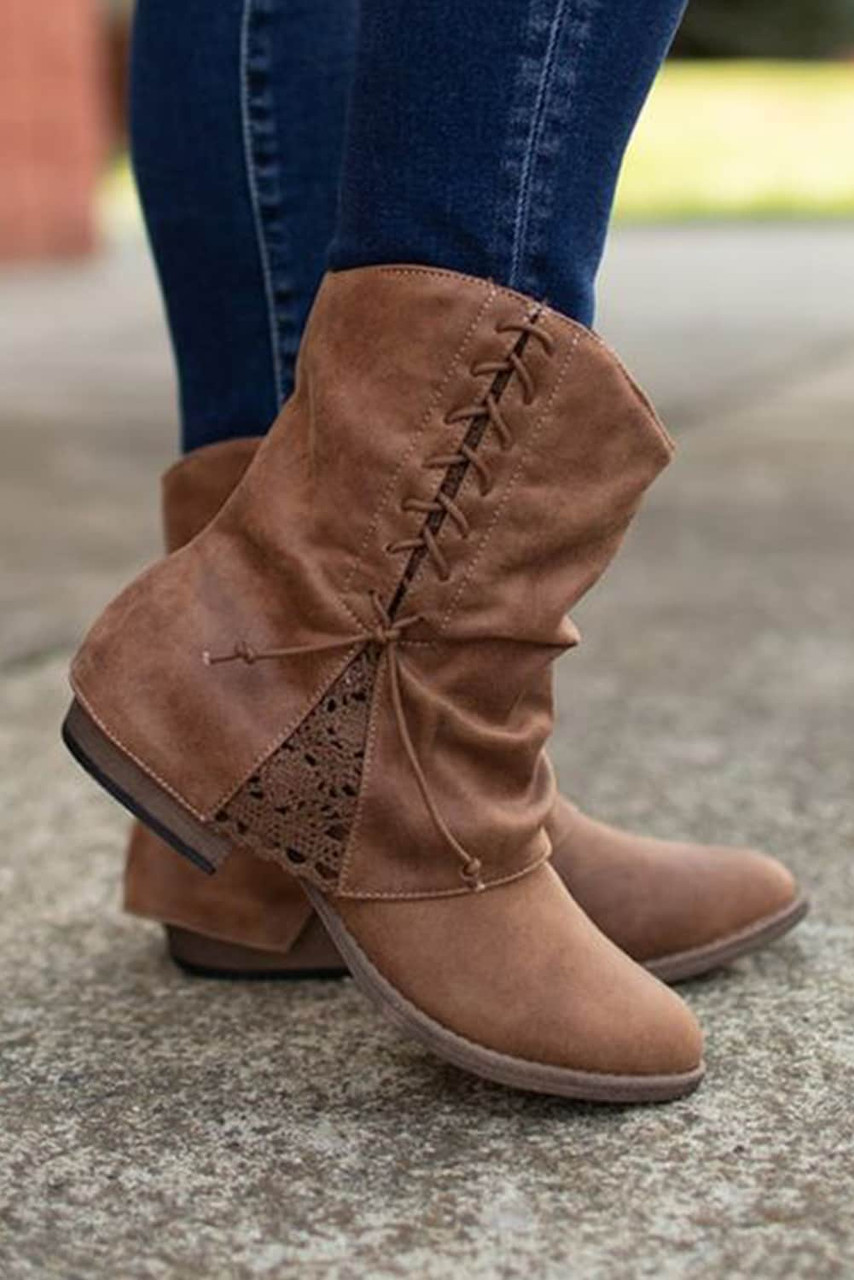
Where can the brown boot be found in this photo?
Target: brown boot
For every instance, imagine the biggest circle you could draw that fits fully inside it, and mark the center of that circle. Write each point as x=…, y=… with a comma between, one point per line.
x=349, y=672
x=681, y=909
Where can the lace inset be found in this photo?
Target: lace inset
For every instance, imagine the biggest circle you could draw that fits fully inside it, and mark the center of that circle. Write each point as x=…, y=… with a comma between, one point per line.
x=299, y=807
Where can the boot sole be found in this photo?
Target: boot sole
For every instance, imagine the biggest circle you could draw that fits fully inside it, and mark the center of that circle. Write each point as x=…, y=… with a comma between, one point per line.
x=208, y=957
x=714, y=955
x=137, y=792
x=500, y=1068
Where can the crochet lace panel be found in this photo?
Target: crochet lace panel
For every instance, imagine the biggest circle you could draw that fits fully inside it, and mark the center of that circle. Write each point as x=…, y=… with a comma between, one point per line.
x=298, y=808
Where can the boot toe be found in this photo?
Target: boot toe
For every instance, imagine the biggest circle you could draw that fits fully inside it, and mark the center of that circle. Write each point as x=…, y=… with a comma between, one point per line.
x=664, y=902
x=758, y=885
x=736, y=901
x=521, y=972
x=670, y=1042
x=727, y=892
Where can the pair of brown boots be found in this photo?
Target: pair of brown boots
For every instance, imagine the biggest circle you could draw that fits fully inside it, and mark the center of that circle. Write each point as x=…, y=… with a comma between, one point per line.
x=343, y=680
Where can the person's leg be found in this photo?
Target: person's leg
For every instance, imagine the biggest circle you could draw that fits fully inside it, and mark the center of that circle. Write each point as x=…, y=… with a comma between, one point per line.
x=493, y=136
x=237, y=116
x=237, y=121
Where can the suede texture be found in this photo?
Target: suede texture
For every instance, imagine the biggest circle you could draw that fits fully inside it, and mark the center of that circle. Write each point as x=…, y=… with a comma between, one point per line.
x=659, y=898
x=249, y=901
x=389, y=356
x=291, y=559
x=523, y=970
x=197, y=486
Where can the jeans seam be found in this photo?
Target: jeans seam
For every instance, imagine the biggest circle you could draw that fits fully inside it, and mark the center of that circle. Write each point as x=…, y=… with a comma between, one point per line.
x=524, y=193
x=254, y=196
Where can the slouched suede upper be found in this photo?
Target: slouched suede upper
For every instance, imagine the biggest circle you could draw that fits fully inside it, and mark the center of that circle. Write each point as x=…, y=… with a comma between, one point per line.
x=456, y=468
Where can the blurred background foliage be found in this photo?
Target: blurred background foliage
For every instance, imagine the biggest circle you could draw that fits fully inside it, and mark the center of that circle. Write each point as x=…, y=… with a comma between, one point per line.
x=767, y=29
x=743, y=139
x=753, y=116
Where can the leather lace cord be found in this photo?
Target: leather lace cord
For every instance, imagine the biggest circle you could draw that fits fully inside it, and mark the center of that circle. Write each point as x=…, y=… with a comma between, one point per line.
x=387, y=635
x=465, y=455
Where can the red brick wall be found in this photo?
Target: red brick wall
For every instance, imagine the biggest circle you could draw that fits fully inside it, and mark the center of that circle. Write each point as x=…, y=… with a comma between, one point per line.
x=52, y=126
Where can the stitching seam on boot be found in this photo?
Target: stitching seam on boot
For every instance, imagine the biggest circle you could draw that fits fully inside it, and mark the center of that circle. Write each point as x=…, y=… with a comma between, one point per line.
x=464, y=459
x=408, y=453
x=505, y=498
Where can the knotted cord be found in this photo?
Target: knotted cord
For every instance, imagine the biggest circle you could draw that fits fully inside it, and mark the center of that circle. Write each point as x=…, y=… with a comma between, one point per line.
x=386, y=634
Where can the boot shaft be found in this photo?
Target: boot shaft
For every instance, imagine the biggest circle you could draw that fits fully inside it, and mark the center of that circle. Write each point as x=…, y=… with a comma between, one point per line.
x=249, y=901
x=198, y=485
x=456, y=468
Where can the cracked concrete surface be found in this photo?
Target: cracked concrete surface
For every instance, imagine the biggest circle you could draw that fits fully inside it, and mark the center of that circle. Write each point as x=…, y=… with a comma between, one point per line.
x=156, y=1127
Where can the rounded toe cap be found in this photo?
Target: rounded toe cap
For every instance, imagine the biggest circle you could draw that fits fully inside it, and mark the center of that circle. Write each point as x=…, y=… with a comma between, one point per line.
x=751, y=887
x=669, y=1042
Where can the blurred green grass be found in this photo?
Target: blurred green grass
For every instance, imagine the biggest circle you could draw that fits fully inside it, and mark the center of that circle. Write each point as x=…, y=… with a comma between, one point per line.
x=743, y=140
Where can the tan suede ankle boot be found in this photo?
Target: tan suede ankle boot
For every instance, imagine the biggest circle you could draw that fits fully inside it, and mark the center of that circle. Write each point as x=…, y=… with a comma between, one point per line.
x=681, y=909
x=349, y=672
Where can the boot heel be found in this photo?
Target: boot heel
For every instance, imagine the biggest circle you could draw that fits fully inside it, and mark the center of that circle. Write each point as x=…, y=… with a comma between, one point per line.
x=212, y=958
x=132, y=787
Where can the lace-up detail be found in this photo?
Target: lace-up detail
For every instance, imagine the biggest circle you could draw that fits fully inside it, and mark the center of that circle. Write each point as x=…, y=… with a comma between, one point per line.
x=482, y=415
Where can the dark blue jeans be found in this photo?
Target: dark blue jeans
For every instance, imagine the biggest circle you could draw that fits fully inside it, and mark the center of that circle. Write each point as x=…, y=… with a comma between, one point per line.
x=482, y=135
